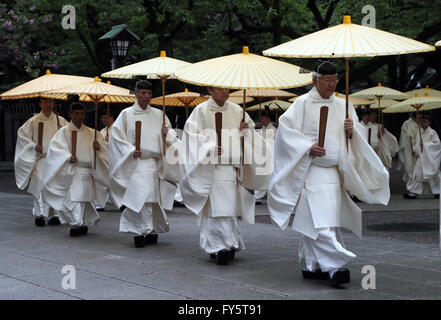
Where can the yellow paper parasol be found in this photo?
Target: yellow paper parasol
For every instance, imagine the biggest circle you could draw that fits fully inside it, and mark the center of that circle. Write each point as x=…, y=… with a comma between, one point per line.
x=40, y=85
x=238, y=100
x=422, y=91
x=416, y=103
x=274, y=105
x=161, y=67
x=378, y=93
x=355, y=101
x=181, y=99
x=348, y=40
x=385, y=103
x=244, y=71
x=94, y=91
x=264, y=93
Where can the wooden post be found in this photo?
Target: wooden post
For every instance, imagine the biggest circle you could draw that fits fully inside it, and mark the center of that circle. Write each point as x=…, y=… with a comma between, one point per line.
x=138, y=135
x=40, y=134
x=322, y=127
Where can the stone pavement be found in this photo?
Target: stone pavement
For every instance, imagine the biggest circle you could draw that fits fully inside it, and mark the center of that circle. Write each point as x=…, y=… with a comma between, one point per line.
x=109, y=267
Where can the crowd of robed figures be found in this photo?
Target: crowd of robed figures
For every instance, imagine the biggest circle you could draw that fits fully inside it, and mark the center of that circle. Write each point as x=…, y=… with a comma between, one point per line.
x=139, y=163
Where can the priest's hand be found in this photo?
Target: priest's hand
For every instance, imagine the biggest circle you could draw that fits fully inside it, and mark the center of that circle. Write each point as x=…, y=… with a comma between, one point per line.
x=164, y=131
x=317, y=151
x=96, y=145
x=39, y=148
x=137, y=154
x=73, y=159
x=243, y=125
x=349, y=124
x=59, y=126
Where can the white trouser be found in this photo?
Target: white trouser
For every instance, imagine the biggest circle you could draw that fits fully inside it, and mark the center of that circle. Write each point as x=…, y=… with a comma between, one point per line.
x=259, y=195
x=326, y=252
x=219, y=233
x=151, y=219
x=41, y=209
x=82, y=213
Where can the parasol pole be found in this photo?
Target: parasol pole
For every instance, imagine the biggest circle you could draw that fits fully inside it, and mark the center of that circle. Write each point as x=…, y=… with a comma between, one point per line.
x=186, y=111
x=163, y=78
x=96, y=125
x=419, y=126
x=347, y=97
x=380, y=120
x=242, y=139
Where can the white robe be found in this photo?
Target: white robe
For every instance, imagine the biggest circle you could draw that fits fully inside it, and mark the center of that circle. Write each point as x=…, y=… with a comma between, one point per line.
x=386, y=146
x=425, y=178
x=28, y=163
x=210, y=185
x=73, y=188
x=144, y=186
x=316, y=189
x=107, y=131
x=407, y=161
x=269, y=134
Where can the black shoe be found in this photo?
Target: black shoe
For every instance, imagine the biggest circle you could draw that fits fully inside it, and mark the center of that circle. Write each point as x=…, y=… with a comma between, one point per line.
x=232, y=252
x=339, y=277
x=355, y=199
x=99, y=209
x=54, y=221
x=223, y=257
x=408, y=195
x=139, y=241
x=151, y=238
x=436, y=196
x=258, y=202
x=212, y=256
x=122, y=208
x=75, y=231
x=178, y=204
x=315, y=275
x=83, y=230
x=40, y=222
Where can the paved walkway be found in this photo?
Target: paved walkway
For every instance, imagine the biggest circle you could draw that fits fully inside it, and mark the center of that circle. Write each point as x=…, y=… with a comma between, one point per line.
x=109, y=267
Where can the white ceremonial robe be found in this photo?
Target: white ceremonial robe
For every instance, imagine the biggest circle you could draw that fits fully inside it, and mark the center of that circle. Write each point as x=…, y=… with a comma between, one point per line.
x=107, y=132
x=210, y=185
x=316, y=189
x=386, y=146
x=269, y=134
x=74, y=188
x=425, y=180
x=28, y=163
x=145, y=186
x=407, y=161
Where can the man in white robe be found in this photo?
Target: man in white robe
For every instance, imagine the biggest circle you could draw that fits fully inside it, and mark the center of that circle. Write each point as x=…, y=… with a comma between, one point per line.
x=143, y=183
x=384, y=143
x=268, y=132
x=214, y=185
x=30, y=158
x=425, y=180
x=107, y=119
x=406, y=154
x=71, y=182
x=313, y=182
